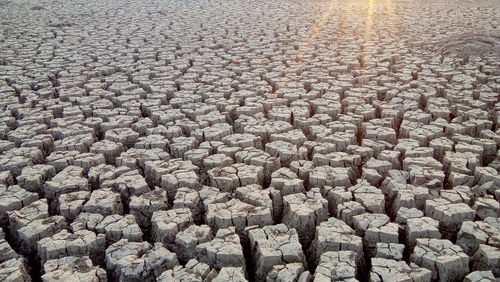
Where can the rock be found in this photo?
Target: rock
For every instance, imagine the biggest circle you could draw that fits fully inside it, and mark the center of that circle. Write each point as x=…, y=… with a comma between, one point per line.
x=138, y=260
x=166, y=224
x=391, y=270
x=335, y=266
x=187, y=241
x=224, y=250
x=274, y=245
x=445, y=260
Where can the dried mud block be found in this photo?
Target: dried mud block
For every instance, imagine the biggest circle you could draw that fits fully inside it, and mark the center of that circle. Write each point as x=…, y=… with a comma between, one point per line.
x=238, y=214
x=14, y=198
x=477, y=276
x=212, y=195
x=391, y=270
x=32, y=178
x=487, y=258
x=335, y=266
x=236, y=274
x=72, y=204
x=256, y=196
x=335, y=235
x=348, y=210
x=224, y=250
x=486, y=207
x=375, y=228
x=105, y=202
x=189, y=198
x=331, y=176
x=72, y=268
x=274, y=245
x=390, y=251
x=166, y=224
x=304, y=212
x=129, y=261
x=104, y=173
x=81, y=243
x=153, y=141
x=446, y=261
x=155, y=170
x=286, y=182
x=70, y=179
x=286, y=152
x=259, y=158
x=424, y=227
x=369, y=196
x=187, y=241
x=135, y=158
x=144, y=206
x=303, y=169
x=450, y=215
x=125, y=136
x=217, y=160
x=128, y=184
x=14, y=270
x=117, y=227
x=109, y=149
x=404, y=214
x=38, y=229
x=227, y=179
x=285, y=272
x=180, y=145
x=192, y=271
x=196, y=156
x=474, y=233
x=181, y=178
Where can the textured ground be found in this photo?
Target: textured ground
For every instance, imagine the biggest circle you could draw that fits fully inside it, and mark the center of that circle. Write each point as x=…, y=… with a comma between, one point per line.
x=261, y=140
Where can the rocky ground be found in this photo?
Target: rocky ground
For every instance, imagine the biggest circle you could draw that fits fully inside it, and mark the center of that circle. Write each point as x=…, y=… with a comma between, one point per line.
x=217, y=140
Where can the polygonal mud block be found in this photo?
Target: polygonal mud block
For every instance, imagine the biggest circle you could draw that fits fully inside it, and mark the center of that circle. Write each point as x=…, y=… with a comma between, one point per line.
x=109, y=149
x=286, y=152
x=153, y=141
x=129, y=261
x=391, y=270
x=259, y=158
x=404, y=214
x=189, y=198
x=330, y=176
x=196, y=156
x=125, y=136
x=427, y=177
x=295, y=137
x=227, y=179
x=217, y=160
x=236, y=274
x=390, y=251
x=286, y=182
x=486, y=207
x=212, y=195
x=70, y=179
x=6, y=252
x=285, y=272
x=154, y=170
x=487, y=258
x=375, y=228
x=335, y=266
x=105, y=202
x=117, y=227
x=187, y=240
x=128, y=184
x=477, y=276
x=474, y=233
x=274, y=245
x=143, y=206
x=181, y=145
x=223, y=251
x=135, y=158
x=178, y=179
x=14, y=270
x=450, y=215
x=80, y=243
x=72, y=268
x=14, y=198
x=348, y=210
x=38, y=229
x=334, y=235
x=424, y=227
x=166, y=224
x=80, y=143
x=192, y=271
x=370, y=197
x=304, y=213
x=446, y=261
x=32, y=178
x=101, y=173
x=238, y=214
x=71, y=204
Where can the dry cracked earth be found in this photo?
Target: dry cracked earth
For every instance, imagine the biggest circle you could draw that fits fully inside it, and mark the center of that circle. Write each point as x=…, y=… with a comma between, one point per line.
x=266, y=140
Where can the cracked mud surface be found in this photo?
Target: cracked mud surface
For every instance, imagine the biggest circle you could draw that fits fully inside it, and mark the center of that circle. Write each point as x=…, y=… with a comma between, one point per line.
x=289, y=140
